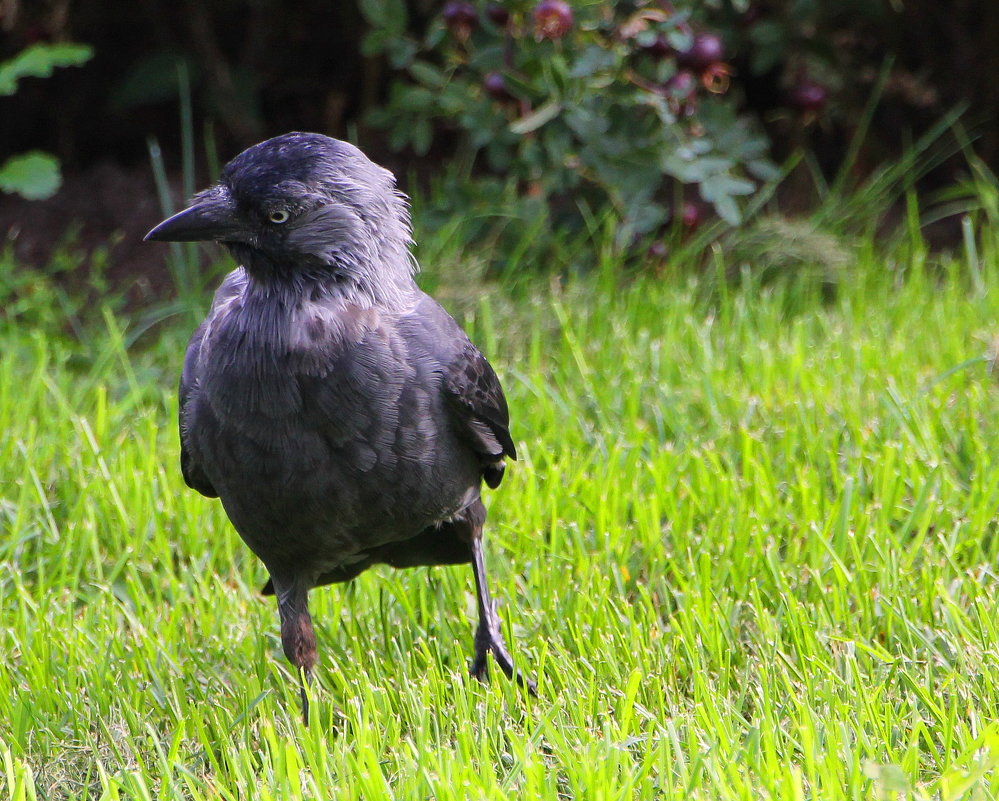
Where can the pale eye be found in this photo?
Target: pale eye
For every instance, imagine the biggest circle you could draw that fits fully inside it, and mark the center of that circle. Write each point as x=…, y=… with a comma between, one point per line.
x=279, y=216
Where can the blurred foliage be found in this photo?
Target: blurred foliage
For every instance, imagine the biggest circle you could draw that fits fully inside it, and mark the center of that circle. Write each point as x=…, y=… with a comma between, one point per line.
x=268, y=67
x=56, y=297
x=662, y=111
x=38, y=61
x=35, y=175
x=512, y=113
x=599, y=107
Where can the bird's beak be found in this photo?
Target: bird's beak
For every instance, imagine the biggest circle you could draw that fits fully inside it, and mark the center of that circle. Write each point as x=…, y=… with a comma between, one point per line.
x=211, y=218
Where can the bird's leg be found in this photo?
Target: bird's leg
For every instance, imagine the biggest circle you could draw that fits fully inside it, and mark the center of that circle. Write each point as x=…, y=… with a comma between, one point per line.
x=305, y=681
x=298, y=637
x=488, y=636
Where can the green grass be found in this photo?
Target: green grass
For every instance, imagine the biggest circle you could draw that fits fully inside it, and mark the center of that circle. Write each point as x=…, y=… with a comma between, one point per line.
x=749, y=552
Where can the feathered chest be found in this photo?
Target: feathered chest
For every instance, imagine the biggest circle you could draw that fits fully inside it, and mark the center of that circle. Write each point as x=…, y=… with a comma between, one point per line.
x=265, y=368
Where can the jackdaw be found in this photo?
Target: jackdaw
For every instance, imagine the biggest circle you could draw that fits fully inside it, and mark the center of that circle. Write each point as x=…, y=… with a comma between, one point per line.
x=339, y=413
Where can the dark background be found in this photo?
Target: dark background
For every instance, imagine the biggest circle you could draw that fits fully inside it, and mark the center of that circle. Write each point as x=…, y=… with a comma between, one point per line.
x=262, y=68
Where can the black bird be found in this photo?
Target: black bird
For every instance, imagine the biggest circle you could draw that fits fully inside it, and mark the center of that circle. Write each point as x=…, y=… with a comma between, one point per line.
x=340, y=414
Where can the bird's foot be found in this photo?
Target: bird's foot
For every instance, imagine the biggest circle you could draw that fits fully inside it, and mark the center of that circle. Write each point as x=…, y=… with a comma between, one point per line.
x=489, y=639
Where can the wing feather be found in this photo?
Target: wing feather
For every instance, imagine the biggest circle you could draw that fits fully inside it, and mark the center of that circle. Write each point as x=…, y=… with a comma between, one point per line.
x=194, y=474
x=479, y=407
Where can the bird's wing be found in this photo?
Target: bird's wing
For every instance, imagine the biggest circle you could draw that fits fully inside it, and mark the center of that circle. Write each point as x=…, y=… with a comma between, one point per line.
x=194, y=474
x=475, y=397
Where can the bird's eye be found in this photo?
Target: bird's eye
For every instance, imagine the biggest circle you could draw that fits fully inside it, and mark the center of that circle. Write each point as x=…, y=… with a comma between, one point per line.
x=279, y=216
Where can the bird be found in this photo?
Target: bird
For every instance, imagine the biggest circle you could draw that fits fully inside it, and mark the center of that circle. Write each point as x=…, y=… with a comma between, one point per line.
x=340, y=414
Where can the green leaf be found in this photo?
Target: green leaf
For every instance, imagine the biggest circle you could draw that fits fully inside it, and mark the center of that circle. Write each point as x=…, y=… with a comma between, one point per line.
x=680, y=38
x=540, y=116
x=690, y=169
x=33, y=176
x=422, y=136
x=641, y=218
x=427, y=74
x=586, y=124
x=387, y=14
x=38, y=61
x=487, y=57
x=592, y=60
x=716, y=186
x=727, y=209
x=557, y=141
x=763, y=170
x=401, y=52
x=633, y=181
x=415, y=100
x=376, y=41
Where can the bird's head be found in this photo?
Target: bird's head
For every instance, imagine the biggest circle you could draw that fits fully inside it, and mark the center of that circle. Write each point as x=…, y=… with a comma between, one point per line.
x=302, y=207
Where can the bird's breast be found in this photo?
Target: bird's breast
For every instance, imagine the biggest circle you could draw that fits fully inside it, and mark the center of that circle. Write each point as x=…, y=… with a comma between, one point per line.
x=335, y=426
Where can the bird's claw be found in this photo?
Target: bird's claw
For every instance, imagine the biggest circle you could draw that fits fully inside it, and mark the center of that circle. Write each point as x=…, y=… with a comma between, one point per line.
x=488, y=638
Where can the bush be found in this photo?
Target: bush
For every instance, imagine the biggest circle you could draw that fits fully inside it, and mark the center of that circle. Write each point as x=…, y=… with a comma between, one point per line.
x=582, y=105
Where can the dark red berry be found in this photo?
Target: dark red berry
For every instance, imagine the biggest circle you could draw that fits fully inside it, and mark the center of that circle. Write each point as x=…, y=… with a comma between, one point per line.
x=495, y=86
x=552, y=19
x=691, y=216
x=680, y=92
x=498, y=15
x=681, y=86
x=807, y=96
x=460, y=18
x=706, y=49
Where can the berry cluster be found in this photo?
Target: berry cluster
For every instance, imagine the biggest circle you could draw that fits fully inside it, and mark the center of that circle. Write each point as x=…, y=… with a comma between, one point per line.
x=656, y=31
x=624, y=106
x=552, y=18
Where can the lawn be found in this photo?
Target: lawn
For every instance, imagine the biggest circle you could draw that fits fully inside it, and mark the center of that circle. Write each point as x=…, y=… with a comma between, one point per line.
x=749, y=551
